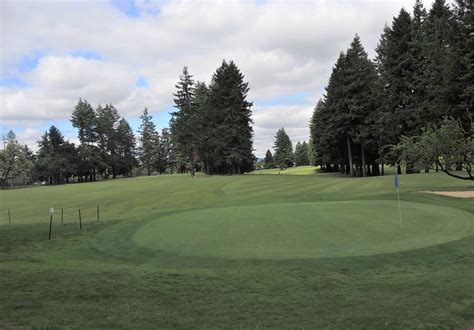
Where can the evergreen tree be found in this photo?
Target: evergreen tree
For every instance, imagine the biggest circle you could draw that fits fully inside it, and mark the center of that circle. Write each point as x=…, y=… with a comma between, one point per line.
x=14, y=160
x=464, y=59
x=149, y=142
x=204, y=125
x=419, y=60
x=321, y=135
x=283, y=147
x=440, y=75
x=331, y=122
x=269, y=161
x=166, y=154
x=107, y=122
x=301, y=154
x=84, y=119
x=396, y=54
x=184, y=122
x=57, y=158
x=228, y=122
x=125, y=149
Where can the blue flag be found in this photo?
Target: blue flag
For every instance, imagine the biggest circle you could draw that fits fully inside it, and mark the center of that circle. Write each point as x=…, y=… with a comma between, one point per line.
x=396, y=184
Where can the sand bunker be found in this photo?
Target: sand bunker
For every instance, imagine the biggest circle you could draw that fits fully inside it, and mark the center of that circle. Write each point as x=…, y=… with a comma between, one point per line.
x=458, y=194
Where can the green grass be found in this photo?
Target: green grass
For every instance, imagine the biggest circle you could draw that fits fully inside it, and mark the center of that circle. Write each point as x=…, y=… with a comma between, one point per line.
x=243, y=251
x=304, y=230
x=300, y=170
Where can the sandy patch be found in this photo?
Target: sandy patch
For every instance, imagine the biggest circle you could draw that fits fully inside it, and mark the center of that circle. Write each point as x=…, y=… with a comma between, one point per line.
x=458, y=194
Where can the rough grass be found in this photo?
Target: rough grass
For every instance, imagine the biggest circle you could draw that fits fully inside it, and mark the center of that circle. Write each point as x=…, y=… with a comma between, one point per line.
x=101, y=278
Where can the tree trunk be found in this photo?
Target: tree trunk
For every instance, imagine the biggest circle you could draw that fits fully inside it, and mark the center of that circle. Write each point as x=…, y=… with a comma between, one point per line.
x=364, y=167
x=383, y=171
x=399, y=169
x=349, y=153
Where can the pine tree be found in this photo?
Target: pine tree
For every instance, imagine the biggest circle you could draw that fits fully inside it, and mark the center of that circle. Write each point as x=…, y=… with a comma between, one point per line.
x=358, y=117
x=331, y=122
x=14, y=160
x=396, y=55
x=184, y=121
x=417, y=49
x=283, y=147
x=322, y=136
x=107, y=121
x=84, y=119
x=441, y=95
x=269, y=161
x=464, y=59
x=166, y=154
x=149, y=142
x=57, y=158
x=229, y=123
x=301, y=154
x=126, y=148
x=203, y=125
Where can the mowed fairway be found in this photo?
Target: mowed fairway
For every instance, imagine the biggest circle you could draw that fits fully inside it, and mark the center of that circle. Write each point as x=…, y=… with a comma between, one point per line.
x=315, y=250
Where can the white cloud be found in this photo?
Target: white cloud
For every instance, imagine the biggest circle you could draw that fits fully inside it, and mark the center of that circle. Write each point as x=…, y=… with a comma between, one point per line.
x=282, y=47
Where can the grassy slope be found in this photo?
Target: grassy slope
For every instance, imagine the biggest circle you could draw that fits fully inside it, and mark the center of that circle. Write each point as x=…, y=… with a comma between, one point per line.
x=99, y=277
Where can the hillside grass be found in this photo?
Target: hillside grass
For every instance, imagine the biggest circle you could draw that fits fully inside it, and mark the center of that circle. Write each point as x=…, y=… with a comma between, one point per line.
x=144, y=265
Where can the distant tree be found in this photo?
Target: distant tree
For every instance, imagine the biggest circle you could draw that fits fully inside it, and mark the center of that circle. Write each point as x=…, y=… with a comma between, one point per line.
x=283, y=149
x=269, y=161
x=14, y=160
x=204, y=125
x=149, y=141
x=107, y=121
x=301, y=154
x=322, y=137
x=84, y=118
x=166, y=153
x=57, y=158
x=125, y=149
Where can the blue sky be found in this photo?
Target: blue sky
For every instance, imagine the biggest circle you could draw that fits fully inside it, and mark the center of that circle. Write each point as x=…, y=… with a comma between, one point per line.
x=131, y=52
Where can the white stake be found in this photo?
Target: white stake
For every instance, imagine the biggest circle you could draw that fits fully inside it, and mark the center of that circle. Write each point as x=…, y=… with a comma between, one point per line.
x=399, y=209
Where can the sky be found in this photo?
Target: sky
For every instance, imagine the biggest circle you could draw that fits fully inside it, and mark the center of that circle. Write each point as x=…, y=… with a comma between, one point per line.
x=131, y=52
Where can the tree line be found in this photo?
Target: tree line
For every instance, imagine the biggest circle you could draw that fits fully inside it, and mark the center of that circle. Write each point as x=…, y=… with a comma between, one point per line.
x=284, y=156
x=211, y=130
x=422, y=74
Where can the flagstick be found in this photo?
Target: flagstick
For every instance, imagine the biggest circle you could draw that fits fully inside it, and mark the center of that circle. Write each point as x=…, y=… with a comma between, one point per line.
x=400, y=209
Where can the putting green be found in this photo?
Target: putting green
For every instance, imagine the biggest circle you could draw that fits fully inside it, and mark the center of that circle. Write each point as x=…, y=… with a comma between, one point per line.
x=304, y=230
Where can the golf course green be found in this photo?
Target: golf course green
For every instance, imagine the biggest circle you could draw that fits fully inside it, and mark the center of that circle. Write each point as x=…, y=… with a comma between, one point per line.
x=297, y=249
x=304, y=230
